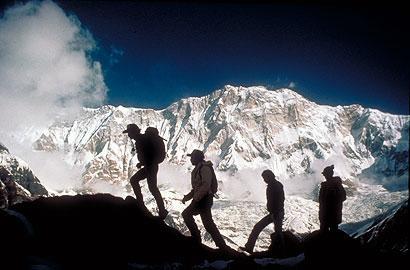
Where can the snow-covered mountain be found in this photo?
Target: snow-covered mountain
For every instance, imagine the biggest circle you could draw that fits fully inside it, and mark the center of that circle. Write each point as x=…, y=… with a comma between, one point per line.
x=386, y=232
x=28, y=185
x=241, y=128
x=389, y=232
x=243, y=131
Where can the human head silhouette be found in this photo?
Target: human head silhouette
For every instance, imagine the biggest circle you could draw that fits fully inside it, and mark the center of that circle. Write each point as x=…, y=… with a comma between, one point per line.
x=268, y=176
x=328, y=171
x=196, y=156
x=132, y=130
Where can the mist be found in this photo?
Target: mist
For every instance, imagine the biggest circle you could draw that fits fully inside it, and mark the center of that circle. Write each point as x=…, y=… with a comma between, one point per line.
x=248, y=184
x=176, y=176
x=46, y=72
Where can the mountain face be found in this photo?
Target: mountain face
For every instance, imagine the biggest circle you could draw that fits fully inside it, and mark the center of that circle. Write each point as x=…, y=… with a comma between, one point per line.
x=28, y=185
x=244, y=131
x=241, y=128
x=389, y=231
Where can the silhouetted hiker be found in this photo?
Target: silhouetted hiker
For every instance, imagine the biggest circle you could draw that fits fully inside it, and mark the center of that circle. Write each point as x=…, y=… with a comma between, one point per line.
x=331, y=197
x=275, y=203
x=8, y=188
x=202, y=199
x=150, y=150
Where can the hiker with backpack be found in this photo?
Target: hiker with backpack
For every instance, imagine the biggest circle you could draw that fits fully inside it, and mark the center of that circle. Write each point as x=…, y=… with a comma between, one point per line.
x=275, y=204
x=150, y=150
x=331, y=197
x=204, y=186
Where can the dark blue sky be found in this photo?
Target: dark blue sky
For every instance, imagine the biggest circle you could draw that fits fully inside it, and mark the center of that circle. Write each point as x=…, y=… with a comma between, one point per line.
x=156, y=53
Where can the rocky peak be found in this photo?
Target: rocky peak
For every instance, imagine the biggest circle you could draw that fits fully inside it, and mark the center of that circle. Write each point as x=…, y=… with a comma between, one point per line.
x=241, y=127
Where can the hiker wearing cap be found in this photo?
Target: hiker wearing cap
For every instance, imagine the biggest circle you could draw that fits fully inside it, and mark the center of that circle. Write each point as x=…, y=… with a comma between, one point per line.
x=275, y=204
x=202, y=179
x=148, y=167
x=331, y=197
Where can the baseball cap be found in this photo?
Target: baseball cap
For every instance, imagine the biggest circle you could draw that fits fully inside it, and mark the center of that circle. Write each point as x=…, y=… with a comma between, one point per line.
x=132, y=128
x=197, y=153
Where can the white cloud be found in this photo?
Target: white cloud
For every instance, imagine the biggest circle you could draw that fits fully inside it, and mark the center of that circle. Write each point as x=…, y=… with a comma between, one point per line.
x=292, y=85
x=44, y=66
x=53, y=171
x=45, y=72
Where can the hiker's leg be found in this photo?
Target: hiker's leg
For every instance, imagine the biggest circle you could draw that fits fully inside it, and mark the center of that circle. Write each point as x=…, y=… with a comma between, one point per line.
x=333, y=227
x=210, y=226
x=278, y=222
x=257, y=229
x=135, y=179
x=324, y=226
x=188, y=215
x=152, y=171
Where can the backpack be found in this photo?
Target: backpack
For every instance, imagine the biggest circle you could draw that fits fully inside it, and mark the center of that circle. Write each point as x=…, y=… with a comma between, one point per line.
x=156, y=144
x=214, y=183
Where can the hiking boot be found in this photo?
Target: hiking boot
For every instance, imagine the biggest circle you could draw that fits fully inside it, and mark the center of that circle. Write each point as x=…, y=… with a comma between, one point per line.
x=163, y=214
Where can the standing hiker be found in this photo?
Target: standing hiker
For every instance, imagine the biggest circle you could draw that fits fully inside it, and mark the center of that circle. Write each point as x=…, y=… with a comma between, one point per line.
x=331, y=197
x=150, y=150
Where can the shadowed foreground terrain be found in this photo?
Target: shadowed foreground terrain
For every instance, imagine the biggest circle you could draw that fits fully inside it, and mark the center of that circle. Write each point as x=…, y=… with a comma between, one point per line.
x=106, y=232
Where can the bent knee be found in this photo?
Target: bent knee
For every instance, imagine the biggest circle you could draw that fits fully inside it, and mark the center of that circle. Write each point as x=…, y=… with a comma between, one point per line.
x=134, y=180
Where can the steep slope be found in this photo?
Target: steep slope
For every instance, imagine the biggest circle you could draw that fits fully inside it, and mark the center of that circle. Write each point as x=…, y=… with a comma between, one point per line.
x=28, y=184
x=101, y=231
x=241, y=128
x=97, y=231
x=388, y=232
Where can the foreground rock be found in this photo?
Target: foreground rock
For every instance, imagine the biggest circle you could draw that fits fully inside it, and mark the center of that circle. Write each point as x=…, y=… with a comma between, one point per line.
x=105, y=232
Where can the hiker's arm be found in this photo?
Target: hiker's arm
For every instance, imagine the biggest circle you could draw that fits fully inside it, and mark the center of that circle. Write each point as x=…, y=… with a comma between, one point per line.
x=205, y=185
x=189, y=196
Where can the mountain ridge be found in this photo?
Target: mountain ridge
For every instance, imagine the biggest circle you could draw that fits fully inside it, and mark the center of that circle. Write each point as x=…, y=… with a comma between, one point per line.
x=245, y=130
x=214, y=123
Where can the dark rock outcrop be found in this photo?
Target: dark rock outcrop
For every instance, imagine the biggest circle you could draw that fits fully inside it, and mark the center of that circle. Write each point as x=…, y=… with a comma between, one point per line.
x=105, y=232
x=291, y=246
x=96, y=231
x=334, y=249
